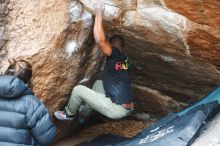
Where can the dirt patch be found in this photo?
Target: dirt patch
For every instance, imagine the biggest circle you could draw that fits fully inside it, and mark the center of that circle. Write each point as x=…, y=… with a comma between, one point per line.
x=123, y=128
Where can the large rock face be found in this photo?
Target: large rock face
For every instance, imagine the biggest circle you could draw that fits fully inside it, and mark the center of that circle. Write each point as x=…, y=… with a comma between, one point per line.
x=3, y=19
x=56, y=40
x=173, y=46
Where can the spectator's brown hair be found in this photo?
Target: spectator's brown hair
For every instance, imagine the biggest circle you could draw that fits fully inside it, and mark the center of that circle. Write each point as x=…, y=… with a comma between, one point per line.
x=21, y=69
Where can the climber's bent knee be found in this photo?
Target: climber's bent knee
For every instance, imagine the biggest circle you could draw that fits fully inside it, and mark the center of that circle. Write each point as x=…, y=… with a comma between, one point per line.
x=118, y=112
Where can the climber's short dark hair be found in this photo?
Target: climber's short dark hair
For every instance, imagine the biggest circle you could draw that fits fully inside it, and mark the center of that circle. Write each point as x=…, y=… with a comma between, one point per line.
x=117, y=40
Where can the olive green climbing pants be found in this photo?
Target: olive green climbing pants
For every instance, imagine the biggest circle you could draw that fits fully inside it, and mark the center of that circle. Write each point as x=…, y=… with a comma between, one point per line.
x=94, y=99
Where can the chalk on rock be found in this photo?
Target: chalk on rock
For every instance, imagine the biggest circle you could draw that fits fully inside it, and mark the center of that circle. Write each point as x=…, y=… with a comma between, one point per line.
x=71, y=47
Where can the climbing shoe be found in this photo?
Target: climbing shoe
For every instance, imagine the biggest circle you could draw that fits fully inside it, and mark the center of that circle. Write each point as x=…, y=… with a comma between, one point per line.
x=62, y=115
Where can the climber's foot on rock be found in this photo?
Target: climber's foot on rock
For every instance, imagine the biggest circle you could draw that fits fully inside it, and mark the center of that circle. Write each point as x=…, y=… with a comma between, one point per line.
x=62, y=115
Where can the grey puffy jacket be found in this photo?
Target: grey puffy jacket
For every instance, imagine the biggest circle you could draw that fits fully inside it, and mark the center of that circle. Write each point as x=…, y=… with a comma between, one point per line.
x=24, y=120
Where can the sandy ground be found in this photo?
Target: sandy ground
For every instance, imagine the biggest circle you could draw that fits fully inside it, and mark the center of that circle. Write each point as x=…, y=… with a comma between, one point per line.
x=125, y=128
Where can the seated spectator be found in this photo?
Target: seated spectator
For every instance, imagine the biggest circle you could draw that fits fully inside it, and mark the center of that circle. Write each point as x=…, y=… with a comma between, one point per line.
x=24, y=120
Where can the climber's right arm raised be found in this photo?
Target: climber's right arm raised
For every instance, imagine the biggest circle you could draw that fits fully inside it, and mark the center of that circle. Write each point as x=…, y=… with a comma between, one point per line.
x=99, y=33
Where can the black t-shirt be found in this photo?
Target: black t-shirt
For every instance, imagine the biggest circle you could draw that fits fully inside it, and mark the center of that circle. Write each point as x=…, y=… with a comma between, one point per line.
x=116, y=78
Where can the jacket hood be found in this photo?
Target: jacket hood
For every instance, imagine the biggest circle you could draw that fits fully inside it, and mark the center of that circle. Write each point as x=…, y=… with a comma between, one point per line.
x=11, y=87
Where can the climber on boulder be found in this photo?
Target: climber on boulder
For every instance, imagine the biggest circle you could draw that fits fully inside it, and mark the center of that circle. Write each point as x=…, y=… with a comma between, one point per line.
x=112, y=96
